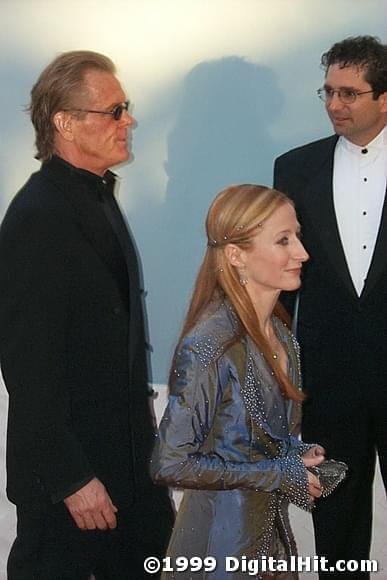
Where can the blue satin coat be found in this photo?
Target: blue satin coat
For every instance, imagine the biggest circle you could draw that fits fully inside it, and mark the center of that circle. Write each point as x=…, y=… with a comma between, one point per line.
x=228, y=438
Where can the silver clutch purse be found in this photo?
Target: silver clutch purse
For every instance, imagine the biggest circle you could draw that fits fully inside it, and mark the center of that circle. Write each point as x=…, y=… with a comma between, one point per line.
x=330, y=473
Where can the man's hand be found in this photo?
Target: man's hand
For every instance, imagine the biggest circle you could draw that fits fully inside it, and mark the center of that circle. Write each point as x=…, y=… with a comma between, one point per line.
x=91, y=507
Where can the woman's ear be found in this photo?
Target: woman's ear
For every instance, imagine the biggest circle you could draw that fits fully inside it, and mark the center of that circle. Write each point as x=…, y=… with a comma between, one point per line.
x=234, y=255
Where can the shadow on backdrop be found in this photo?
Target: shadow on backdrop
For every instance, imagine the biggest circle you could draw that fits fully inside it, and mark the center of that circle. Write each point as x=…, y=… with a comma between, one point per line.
x=16, y=79
x=221, y=137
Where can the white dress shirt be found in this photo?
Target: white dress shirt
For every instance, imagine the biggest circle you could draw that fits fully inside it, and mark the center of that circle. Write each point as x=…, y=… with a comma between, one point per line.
x=359, y=187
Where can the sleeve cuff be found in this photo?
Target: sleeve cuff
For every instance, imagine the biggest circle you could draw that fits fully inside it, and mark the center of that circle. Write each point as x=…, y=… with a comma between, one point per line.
x=60, y=495
x=294, y=486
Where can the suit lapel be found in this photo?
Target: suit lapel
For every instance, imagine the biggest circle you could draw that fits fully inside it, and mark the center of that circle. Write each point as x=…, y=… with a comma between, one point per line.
x=322, y=217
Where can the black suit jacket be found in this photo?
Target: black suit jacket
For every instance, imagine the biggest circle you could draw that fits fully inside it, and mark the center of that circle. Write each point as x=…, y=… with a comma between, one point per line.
x=72, y=345
x=342, y=336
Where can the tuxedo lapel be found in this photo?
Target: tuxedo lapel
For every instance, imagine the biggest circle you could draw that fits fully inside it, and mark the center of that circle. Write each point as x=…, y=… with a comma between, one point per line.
x=319, y=206
x=379, y=259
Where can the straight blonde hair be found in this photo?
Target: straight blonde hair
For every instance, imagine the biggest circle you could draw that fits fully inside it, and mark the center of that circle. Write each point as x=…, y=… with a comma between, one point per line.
x=234, y=217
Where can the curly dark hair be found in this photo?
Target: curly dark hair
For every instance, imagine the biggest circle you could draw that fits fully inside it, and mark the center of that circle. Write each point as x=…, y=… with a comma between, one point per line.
x=366, y=52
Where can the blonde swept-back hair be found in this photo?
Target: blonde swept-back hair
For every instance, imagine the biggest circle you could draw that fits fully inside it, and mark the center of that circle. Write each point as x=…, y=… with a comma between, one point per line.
x=59, y=87
x=235, y=217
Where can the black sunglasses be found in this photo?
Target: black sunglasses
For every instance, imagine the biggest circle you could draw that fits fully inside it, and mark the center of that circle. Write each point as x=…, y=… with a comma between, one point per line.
x=116, y=112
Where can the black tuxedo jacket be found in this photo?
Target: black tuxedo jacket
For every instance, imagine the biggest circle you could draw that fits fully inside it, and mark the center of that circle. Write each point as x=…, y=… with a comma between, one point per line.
x=342, y=336
x=72, y=345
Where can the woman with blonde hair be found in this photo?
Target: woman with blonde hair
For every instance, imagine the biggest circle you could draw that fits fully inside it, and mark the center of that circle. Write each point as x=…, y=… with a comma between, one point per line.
x=229, y=434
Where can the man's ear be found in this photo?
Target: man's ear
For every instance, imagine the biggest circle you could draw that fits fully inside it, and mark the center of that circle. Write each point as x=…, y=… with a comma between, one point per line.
x=63, y=122
x=383, y=100
x=234, y=255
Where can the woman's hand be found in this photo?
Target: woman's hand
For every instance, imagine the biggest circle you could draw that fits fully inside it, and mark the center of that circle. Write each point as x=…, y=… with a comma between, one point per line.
x=314, y=456
x=314, y=486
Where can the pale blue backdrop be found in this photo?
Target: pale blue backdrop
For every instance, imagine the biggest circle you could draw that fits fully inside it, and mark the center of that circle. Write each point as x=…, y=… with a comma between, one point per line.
x=219, y=88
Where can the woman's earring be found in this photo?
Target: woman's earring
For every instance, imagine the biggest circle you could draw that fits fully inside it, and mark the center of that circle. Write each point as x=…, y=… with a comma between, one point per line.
x=243, y=279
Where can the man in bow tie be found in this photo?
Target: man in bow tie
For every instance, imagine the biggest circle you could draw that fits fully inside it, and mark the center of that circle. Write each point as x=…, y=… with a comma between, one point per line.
x=338, y=185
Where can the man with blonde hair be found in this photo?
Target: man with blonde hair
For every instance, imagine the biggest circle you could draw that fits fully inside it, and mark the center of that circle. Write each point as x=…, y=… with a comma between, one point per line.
x=72, y=343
